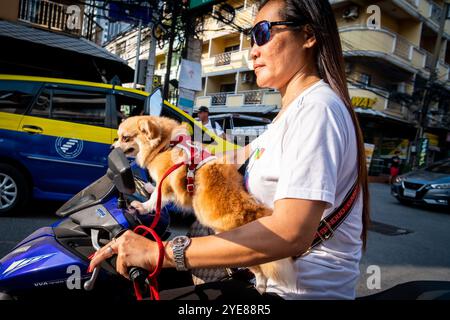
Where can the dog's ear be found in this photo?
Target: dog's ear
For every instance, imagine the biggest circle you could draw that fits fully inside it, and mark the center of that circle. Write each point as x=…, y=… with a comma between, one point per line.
x=149, y=128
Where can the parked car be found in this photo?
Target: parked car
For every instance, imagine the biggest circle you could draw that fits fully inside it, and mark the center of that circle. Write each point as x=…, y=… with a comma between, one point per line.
x=429, y=186
x=56, y=134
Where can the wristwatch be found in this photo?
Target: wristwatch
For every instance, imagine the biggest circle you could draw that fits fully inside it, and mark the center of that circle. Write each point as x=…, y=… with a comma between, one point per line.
x=179, y=245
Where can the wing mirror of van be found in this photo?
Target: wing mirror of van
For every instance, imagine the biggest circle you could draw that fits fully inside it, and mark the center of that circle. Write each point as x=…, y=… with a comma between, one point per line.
x=154, y=103
x=119, y=171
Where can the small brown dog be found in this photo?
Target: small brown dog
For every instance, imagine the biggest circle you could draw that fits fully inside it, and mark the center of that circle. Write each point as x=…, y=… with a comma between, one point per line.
x=219, y=200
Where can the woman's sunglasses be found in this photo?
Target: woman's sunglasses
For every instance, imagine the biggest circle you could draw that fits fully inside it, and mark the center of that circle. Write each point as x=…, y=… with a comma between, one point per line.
x=260, y=33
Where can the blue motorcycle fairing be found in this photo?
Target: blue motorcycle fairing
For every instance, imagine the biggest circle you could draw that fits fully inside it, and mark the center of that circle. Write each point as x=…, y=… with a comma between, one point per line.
x=41, y=262
x=41, y=232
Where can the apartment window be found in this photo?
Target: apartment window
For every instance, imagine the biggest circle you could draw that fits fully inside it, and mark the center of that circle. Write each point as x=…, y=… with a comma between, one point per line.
x=232, y=48
x=365, y=79
x=229, y=87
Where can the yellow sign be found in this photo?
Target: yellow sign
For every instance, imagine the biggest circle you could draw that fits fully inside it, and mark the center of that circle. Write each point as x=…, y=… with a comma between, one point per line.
x=156, y=81
x=432, y=139
x=402, y=147
x=363, y=102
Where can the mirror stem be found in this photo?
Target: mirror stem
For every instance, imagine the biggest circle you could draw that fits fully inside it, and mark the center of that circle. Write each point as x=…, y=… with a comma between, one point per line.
x=121, y=202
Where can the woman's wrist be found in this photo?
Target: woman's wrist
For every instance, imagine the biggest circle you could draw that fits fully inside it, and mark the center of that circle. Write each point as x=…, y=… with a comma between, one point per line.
x=168, y=256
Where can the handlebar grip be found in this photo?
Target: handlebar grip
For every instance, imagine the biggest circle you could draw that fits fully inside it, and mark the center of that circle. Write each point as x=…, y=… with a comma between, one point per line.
x=138, y=274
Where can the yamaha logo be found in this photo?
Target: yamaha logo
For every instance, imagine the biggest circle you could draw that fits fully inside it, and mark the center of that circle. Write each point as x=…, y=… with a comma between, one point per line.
x=68, y=148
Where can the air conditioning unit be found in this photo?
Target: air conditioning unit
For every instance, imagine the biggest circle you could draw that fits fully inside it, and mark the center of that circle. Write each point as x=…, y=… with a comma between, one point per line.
x=351, y=13
x=248, y=77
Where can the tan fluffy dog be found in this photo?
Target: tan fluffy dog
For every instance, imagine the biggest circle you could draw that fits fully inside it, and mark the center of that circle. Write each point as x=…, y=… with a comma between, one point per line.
x=219, y=200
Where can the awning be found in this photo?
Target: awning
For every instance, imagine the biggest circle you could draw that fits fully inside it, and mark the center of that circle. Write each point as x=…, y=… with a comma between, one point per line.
x=26, y=46
x=377, y=113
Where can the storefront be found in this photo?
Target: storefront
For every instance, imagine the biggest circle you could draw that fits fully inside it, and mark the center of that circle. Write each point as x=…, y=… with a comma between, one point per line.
x=385, y=135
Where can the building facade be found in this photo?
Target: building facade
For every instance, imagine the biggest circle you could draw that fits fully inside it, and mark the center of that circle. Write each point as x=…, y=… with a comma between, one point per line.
x=124, y=45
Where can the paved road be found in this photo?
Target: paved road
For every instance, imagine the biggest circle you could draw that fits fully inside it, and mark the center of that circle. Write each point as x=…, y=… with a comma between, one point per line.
x=420, y=252
x=15, y=228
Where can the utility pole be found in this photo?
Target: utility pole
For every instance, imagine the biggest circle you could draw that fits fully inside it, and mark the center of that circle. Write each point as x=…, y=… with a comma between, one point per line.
x=170, y=52
x=150, y=63
x=150, y=73
x=138, y=53
x=428, y=95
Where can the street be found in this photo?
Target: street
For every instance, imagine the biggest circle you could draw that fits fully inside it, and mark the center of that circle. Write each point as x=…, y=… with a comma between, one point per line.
x=406, y=243
x=419, y=252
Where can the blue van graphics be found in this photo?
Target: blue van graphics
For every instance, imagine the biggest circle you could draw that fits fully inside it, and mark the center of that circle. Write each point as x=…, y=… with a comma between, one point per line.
x=68, y=148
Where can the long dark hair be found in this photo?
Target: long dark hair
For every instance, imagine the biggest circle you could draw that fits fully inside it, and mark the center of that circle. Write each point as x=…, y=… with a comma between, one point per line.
x=319, y=15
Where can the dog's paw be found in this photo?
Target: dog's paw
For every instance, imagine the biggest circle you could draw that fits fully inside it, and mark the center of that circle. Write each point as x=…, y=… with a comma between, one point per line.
x=149, y=187
x=140, y=207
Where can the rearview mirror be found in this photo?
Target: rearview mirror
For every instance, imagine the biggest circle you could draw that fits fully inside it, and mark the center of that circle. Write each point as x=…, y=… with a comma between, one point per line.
x=154, y=103
x=119, y=171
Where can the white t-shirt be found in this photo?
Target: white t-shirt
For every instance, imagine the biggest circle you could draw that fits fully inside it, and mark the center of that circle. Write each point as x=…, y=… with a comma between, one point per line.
x=310, y=152
x=218, y=131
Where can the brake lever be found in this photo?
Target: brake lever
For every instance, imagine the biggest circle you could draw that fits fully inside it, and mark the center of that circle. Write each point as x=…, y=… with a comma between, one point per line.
x=89, y=284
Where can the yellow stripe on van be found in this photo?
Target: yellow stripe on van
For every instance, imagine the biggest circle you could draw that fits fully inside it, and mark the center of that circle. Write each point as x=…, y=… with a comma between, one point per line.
x=58, y=128
x=144, y=93
x=9, y=121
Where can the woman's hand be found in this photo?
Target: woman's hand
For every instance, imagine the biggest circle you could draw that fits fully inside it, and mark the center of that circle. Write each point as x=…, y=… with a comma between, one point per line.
x=132, y=250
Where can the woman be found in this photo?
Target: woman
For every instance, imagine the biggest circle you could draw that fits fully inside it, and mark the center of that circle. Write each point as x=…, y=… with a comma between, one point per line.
x=302, y=166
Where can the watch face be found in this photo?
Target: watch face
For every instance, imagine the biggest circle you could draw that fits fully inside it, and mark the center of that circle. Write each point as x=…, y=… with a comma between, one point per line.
x=180, y=241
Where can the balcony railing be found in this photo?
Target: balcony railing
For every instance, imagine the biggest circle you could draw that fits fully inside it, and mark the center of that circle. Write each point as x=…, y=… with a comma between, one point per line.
x=381, y=40
x=403, y=48
x=250, y=97
x=436, y=11
x=219, y=98
x=227, y=61
x=243, y=17
x=223, y=59
x=442, y=69
x=253, y=96
x=428, y=60
x=47, y=14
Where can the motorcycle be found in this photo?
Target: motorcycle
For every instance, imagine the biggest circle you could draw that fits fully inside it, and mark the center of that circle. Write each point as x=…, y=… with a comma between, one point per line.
x=53, y=261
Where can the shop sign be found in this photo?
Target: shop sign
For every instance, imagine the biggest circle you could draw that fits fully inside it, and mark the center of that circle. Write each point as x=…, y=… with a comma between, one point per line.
x=422, y=152
x=433, y=139
x=363, y=102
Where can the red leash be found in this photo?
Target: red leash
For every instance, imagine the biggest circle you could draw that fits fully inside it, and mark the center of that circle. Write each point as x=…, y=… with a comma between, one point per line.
x=195, y=159
x=152, y=278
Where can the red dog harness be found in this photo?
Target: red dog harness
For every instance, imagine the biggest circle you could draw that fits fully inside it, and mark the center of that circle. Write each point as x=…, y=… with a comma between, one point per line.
x=196, y=155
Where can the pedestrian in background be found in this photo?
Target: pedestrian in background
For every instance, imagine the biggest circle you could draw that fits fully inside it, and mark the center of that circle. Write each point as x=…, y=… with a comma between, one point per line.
x=395, y=167
x=203, y=115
